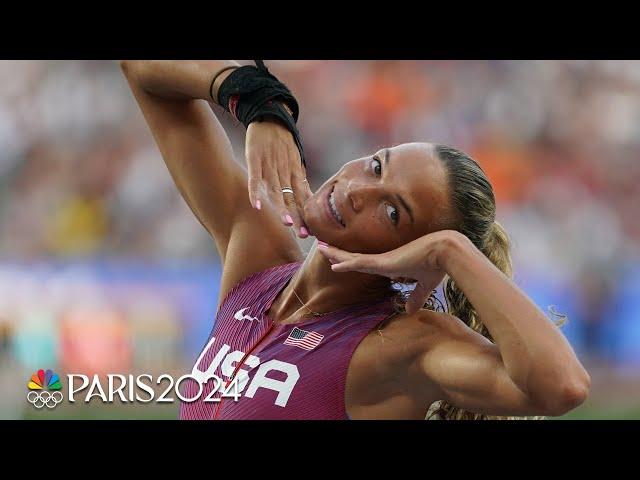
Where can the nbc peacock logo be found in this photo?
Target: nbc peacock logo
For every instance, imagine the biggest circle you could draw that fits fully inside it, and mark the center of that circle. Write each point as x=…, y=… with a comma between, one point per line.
x=44, y=389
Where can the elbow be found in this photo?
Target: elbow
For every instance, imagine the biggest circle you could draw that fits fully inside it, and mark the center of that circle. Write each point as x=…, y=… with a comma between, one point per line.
x=569, y=394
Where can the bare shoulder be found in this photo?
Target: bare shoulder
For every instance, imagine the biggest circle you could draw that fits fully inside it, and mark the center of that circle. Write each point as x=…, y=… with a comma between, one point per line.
x=442, y=325
x=381, y=370
x=438, y=332
x=397, y=340
x=423, y=325
x=378, y=374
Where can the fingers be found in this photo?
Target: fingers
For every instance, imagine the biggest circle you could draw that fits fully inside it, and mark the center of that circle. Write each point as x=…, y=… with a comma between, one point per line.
x=274, y=163
x=333, y=254
x=291, y=203
x=299, y=178
x=302, y=193
x=417, y=298
x=272, y=182
x=348, y=262
x=359, y=263
x=289, y=171
x=286, y=202
x=254, y=166
x=292, y=209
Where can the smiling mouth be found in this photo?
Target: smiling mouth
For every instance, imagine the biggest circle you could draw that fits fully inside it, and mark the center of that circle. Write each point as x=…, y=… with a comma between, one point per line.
x=333, y=209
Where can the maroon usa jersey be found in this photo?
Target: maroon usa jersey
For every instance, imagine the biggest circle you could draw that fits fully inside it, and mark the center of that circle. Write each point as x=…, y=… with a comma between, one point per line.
x=289, y=372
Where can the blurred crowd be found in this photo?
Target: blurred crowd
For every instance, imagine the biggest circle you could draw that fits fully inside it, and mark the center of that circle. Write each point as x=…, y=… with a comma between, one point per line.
x=81, y=178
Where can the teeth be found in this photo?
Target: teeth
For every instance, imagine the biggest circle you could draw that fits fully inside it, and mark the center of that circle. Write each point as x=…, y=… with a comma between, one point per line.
x=334, y=209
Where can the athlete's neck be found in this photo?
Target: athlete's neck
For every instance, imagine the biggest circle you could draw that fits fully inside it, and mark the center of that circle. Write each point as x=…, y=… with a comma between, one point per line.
x=323, y=290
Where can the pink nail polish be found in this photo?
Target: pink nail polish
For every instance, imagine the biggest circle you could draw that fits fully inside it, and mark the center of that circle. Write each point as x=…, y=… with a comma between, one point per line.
x=258, y=204
x=303, y=231
x=288, y=219
x=323, y=244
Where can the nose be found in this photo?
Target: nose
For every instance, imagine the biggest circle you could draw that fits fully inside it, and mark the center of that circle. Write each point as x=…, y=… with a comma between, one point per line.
x=359, y=192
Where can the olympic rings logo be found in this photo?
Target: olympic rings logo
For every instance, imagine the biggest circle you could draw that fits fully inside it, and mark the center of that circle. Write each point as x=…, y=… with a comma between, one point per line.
x=40, y=399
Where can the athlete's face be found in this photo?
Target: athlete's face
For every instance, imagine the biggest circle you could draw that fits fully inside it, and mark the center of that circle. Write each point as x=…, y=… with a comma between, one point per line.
x=383, y=201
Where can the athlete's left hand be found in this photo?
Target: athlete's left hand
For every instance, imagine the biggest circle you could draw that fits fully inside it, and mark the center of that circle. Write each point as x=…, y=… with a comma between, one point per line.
x=273, y=162
x=419, y=260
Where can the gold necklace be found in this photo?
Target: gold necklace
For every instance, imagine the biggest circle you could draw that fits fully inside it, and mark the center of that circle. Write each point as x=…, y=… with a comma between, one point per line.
x=315, y=314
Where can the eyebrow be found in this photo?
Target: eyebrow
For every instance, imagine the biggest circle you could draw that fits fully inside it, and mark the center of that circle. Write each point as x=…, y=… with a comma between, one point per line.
x=387, y=154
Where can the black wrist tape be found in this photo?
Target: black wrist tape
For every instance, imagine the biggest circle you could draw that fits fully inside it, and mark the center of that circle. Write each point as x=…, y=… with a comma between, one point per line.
x=253, y=94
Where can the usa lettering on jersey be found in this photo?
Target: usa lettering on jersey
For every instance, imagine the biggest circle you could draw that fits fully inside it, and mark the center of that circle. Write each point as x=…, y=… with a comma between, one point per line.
x=227, y=362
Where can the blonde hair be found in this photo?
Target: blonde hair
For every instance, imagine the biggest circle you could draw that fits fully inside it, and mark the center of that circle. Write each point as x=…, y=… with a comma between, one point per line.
x=497, y=248
x=474, y=205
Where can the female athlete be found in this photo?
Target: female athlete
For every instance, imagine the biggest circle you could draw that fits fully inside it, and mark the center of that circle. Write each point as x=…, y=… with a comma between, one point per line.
x=329, y=335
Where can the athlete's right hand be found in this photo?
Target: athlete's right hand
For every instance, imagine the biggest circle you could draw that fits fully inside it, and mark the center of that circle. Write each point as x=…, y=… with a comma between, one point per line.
x=273, y=161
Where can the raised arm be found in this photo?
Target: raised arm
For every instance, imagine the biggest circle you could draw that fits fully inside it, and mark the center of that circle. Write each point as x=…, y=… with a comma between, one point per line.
x=173, y=97
x=530, y=370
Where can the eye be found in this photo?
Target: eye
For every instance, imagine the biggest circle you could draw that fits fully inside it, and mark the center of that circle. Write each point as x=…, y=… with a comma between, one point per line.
x=393, y=213
x=376, y=166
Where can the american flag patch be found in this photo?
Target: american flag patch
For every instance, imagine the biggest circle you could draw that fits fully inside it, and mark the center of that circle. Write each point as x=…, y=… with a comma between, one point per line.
x=303, y=339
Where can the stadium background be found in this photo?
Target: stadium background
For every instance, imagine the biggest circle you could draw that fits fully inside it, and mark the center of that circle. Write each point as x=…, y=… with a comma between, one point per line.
x=103, y=268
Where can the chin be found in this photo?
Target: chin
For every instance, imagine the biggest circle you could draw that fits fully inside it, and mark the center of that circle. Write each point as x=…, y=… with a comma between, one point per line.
x=328, y=235
x=318, y=219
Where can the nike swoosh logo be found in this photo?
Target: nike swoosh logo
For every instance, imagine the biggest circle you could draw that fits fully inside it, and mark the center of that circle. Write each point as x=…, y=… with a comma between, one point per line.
x=239, y=315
